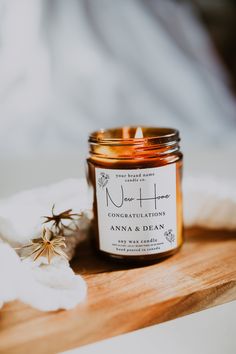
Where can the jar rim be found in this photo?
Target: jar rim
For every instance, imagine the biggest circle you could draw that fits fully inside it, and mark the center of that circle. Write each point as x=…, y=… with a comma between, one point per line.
x=151, y=136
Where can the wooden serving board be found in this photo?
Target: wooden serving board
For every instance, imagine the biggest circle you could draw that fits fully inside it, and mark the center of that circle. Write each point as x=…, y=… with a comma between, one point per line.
x=122, y=299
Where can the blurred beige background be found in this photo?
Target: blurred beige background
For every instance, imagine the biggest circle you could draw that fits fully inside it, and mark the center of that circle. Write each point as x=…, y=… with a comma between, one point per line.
x=70, y=67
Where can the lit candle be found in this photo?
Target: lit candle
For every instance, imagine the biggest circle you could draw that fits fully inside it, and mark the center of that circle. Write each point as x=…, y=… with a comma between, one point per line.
x=135, y=173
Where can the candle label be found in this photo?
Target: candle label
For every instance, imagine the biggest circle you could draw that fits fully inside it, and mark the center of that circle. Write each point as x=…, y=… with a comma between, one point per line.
x=137, y=210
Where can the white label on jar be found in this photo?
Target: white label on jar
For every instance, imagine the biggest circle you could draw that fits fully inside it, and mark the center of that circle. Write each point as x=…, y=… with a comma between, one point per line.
x=137, y=210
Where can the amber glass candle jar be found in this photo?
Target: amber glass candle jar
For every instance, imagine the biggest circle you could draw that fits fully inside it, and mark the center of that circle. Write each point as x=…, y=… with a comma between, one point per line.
x=136, y=174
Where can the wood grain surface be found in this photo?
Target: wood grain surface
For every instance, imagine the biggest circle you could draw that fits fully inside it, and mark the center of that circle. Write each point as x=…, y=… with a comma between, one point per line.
x=123, y=299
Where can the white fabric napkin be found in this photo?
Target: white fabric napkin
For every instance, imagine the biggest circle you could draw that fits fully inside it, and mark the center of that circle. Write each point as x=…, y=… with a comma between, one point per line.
x=45, y=287
x=208, y=202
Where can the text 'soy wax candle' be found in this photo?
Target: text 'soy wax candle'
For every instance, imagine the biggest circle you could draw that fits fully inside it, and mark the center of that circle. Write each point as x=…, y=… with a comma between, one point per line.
x=136, y=174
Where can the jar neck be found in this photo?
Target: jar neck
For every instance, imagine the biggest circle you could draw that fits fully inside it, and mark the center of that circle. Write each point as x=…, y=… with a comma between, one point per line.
x=132, y=151
x=156, y=142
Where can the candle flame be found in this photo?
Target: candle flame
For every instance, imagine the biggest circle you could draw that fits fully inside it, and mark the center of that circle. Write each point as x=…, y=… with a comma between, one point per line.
x=138, y=133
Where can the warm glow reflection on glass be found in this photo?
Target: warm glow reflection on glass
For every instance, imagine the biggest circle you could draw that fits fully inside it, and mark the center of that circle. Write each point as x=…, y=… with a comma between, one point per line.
x=125, y=133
